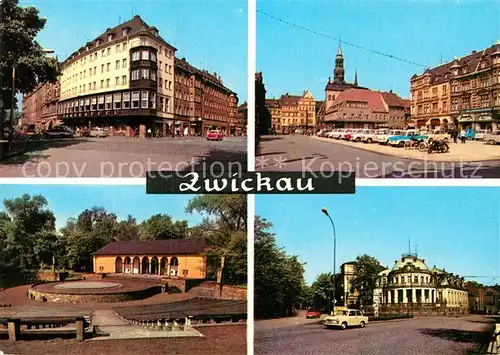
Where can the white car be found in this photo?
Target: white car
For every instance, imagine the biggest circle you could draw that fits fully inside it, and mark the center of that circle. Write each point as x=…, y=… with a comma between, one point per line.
x=346, y=318
x=492, y=138
x=373, y=137
x=59, y=132
x=339, y=133
x=99, y=132
x=360, y=135
x=384, y=138
x=481, y=133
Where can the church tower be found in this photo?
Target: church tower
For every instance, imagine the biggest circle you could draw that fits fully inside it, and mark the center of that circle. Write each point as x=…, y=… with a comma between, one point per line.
x=338, y=73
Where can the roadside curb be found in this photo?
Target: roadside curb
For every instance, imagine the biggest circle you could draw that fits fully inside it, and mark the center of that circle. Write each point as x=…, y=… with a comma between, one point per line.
x=361, y=147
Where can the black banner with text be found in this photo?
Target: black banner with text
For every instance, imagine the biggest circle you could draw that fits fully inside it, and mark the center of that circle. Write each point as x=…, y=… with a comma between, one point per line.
x=202, y=182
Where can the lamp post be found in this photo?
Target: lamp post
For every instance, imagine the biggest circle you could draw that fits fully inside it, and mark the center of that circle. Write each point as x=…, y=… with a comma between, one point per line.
x=13, y=97
x=325, y=211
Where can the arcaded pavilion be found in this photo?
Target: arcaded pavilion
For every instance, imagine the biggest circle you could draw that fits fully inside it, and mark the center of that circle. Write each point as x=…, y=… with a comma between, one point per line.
x=171, y=257
x=412, y=284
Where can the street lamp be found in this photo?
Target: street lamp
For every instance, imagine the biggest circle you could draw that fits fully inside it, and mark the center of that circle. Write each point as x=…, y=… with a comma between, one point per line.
x=325, y=211
x=13, y=97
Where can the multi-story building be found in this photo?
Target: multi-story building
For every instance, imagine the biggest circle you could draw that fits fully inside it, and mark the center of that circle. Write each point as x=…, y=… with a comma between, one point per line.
x=411, y=286
x=346, y=296
x=202, y=102
x=291, y=112
x=262, y=115
x=40, y=107
x=463, y=93
x=124, y=79
x=363, y=108
x=243, y=117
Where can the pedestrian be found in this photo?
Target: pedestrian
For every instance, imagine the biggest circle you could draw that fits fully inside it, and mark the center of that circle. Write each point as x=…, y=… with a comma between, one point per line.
x=149, y=132
x=454, y=134
x=462, y=135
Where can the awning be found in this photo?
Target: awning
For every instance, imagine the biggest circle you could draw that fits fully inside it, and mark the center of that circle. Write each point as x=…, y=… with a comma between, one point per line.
x=465, y=118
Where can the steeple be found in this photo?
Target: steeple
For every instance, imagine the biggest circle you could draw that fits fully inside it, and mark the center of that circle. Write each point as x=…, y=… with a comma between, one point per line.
x=338, y=73
x=356, y=78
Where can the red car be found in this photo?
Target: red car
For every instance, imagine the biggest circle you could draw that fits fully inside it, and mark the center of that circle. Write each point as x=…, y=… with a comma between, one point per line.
x=313, y=314
x=214, y=135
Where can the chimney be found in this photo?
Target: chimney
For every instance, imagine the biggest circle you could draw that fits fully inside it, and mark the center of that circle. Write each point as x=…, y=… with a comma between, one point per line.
x=473, y=52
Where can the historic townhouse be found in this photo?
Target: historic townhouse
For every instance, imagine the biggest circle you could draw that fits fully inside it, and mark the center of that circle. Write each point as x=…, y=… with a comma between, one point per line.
x=40, y=107
x=291, y=112
x=464, y=92
x=411, y=286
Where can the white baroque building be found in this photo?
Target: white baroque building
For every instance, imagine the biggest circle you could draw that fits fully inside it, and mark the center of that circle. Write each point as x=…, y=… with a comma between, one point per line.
x=411, y=284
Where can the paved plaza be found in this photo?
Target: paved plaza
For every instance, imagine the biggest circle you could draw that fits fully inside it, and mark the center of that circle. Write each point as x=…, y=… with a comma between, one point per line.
x=126, y=157
x=419, y=336
x=304, y=153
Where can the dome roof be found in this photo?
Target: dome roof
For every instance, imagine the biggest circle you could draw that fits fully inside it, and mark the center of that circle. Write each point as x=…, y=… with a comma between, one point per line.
x=409, y=260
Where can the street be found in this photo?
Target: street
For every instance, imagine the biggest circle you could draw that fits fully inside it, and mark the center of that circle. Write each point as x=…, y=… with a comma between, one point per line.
x=303, y=153
x=123, y=157
x=419, y=336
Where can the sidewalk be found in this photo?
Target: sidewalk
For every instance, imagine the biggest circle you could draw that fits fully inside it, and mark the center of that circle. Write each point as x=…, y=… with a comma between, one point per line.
x=469, y=152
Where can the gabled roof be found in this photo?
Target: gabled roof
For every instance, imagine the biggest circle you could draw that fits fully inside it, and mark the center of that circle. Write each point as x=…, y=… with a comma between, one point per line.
x=393, y=100
x=135, y=26
x=372, y=98
x=150, y=247
x=290, y=99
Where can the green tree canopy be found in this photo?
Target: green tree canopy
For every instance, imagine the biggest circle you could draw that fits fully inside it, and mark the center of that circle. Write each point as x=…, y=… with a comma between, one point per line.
x=19, y=27
x=366, y=270
x=162, y=226
x=322, y=291
x=224, y=229
x=279, y=278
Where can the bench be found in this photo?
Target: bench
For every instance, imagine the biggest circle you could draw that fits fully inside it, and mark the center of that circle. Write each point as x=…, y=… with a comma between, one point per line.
x=43, y=325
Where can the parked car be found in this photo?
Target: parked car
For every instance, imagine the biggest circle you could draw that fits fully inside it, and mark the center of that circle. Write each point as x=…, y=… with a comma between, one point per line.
x=313, y=314
x=481, y=133
x=348, y=134
x=384, y=138
x=492, y=138
x=59, y=132
x=373, y=137
x=346, y=318
x=99, y=132
x=470, y=134
x=399, y=140
x=214, y=135
x=359, y=135
x=438, y=135
x=339, y=133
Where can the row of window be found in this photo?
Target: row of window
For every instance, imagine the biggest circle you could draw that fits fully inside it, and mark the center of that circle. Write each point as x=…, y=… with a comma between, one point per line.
x=144, y=54
x=104, y=84
x=115, y=101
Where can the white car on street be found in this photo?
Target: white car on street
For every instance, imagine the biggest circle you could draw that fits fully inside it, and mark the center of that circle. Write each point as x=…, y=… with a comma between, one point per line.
x=359, y=136
x=339, y=133
x=345, y=319
x=373, y=137
x=480, y=134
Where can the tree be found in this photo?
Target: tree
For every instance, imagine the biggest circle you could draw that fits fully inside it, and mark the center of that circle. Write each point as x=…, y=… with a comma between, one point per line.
x=128, y=230
x=162, y=226
x=322, y=291
x=279, y=278
x=83, y=236
x=19, y=27
x=28, y=230
x=224, y=229
x=366, y=270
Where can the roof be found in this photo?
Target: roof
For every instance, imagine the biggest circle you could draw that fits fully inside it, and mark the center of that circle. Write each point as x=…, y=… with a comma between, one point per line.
x=150, y=247
x=135, y=26
x=471, y=62
x=372, y=98
x=212, y=78
x=289, y=99
x=393, y=100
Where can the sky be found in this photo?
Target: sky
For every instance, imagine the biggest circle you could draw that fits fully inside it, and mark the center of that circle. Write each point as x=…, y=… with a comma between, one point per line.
x=457, y=229
x=211, y=35
x=293, y=60
x=68, y=201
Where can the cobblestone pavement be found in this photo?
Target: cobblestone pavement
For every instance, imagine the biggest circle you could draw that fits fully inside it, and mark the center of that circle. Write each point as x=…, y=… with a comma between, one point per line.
x=419, y=336
x=302, y=153
x=122, y=156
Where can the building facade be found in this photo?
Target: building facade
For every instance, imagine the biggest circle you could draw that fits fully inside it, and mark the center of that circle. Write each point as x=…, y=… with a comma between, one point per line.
x=178, y=258
x=262, y=114
x=292, y=112
x=463, y=93
x=345, y=296
x=411, y=286
x=242, y=117
x=40, y=107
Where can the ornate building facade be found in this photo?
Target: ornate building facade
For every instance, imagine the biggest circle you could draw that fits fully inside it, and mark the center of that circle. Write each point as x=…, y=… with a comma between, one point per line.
x=291, y=112
x=464, y=92
x=345, y=296
x=411, y=286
